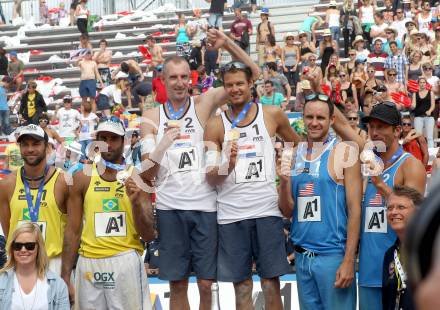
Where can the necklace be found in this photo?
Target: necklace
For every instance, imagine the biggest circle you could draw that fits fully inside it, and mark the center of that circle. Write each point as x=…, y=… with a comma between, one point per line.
x=21, y=294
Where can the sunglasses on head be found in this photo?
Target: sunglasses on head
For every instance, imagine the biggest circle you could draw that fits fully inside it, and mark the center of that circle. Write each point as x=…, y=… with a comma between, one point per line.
x=320, y=97
x=112, y=119
x=29, y=246
x=234, y=65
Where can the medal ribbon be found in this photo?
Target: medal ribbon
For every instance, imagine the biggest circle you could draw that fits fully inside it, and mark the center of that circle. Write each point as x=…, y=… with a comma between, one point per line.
x=393, y=158
x=400, y=271
x=34, y=211
x=241, y=115
x=113, y=166
x=174, y=115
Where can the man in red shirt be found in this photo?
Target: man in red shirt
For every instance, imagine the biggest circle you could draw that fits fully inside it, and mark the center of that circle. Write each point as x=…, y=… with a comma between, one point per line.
x=159, y=90
x=238, y=28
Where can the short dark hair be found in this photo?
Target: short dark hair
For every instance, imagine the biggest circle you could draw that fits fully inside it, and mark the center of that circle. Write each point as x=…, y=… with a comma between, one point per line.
x=405, y=191
x=271, y=66
x=125, y=67
x=379, y=14
x=84, y=36
x=103, y=41
x=331, y=106
x=268, y=82
x=393, y=43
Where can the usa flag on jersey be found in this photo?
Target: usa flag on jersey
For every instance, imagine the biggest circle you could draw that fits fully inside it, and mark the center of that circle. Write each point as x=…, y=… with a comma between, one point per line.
x=376, y=200
x=306, y=189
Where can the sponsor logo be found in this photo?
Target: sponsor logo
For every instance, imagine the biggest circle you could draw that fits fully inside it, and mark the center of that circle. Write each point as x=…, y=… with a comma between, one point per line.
x=102, y=189
x=25, y=215
x=104, y=280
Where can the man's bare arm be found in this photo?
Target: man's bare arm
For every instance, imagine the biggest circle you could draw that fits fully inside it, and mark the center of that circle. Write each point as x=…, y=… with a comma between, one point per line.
x=344, y=130
x=6, y=186
x=284, y=130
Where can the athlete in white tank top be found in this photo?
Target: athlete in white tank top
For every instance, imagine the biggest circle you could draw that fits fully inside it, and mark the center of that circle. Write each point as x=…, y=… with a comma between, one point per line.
x=181, y=173
x=253, y=176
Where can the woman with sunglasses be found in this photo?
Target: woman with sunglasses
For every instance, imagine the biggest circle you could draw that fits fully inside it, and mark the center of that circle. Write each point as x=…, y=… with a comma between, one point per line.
x=426, y=48
x=25, y=281
x=350, y=64
x=415, y=66
x=348, y=15
x=347, y=88
x=353, y=120
x=290, y=57
x=44, y=121
x=413, y=142
x=371, y=83
x=327, y=47
x=423, y=104
x=392, y=85
x=306, y=48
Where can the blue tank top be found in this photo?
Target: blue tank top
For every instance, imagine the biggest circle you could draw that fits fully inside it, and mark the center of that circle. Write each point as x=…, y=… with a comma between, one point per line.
x=182, y=37
x=307, y=24
x=376, y=235
x=320, y=214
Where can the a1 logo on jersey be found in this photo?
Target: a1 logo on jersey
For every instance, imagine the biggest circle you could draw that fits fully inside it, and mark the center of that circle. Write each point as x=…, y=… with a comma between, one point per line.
x=376, y=220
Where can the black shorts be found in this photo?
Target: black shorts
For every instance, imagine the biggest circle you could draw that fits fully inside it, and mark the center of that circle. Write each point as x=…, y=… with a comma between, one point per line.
x=241, y=243
x=187, y=242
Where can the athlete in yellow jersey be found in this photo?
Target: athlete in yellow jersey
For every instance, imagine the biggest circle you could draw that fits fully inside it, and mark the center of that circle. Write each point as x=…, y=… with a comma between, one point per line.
x=106, y=218
x=37, y=193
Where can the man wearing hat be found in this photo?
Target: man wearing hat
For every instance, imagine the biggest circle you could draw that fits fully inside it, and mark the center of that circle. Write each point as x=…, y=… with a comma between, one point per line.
x=107, y=215
x=35, y=192
x=391, y=36
x=264, y=28
x=68, y=120
x=385, y=168
x=15, y=69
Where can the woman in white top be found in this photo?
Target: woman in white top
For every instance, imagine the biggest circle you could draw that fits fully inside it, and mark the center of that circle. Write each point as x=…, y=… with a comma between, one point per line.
x=25, y=281
x=82, y=16
x=111, y=95
x=366, y=16
x=332, y=16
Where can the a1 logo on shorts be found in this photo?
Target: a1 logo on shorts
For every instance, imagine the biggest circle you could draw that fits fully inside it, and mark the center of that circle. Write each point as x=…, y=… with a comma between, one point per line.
x=376, y=220
x=111, y=222
x=309, y=204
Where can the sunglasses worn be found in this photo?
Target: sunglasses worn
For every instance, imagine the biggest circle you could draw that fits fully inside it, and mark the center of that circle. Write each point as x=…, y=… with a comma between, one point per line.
x=392, y=74
x=370, y=71
x=29, y=246
x=342, y=75
x=43, y=120
x=427, y=68
x=352, y=118
x=407, y=124
x=352, y=54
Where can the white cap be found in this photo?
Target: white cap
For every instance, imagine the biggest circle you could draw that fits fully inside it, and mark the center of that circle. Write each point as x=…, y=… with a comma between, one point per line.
x=113, y=125
x=121, y=75
x=34, y=131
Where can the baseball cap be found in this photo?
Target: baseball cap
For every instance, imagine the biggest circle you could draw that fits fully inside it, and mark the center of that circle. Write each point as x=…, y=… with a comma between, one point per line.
x=121, y=75
x=111, y=124
x=67, y=98
x=13, y=53
x=265, y=11
x=33, y=131
x=386, y=112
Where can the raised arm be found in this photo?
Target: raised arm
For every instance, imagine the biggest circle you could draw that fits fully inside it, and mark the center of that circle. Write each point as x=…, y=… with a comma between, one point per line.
x=344, y=130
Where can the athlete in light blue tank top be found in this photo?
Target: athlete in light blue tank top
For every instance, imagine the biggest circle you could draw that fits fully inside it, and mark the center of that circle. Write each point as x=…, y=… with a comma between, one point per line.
x=376, y=235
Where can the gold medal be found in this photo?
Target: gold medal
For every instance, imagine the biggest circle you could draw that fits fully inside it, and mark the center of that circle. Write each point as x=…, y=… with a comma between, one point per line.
x=122, y=176
x=233, y=134
x=173, y=123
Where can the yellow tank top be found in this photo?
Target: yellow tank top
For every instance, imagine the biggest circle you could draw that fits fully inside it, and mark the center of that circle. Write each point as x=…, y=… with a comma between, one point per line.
x=50, y=219
x=108, y=226
x=31, y=105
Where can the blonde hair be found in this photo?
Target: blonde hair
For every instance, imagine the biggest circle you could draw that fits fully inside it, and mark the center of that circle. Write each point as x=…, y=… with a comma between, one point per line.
x=346, y=7
x=42, y=260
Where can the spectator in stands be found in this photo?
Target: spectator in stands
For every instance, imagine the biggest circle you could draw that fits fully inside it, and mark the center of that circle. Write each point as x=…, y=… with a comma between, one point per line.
x=51, y=133
x=264, y=28
x=16, y=9
x=290, y=58
x=424, y=18
x=68, y=120
x=306, y=48
x=353, y=120
x=392, y=85
x=197, y=31
x=44, y=12
x=426, y=48
x=216, y=11
x=414, y=142
x=348, y=17
x=5, y=127
x=366, y=16
x=436, y=46
x=32, y=105
x=423, y=104
x=310, y=25
x=271, y=97
x=401, y=206
x=73, y=6
x=84, y=41
x=142, y=95
x=212, y=60
x=350, y=64
x=183, y=46
x=16, y=70
x=155, y=51
x=133, y=156
x=241, y=30
x=205, y=81
x=397, y=61
x=89, y=76
x=112, y=94
x=3, y=62
x=303, y=90
x=400, y=24
x=13, y=160
x=57, y=16
x=134, y=71
x=415, y=66
x=27, y=272
x=377, y=59
x=87, y=124
x=280, y=82
x=348, y=89
x=313, y=73
x=388, y=12
x=272, y=52
x=332, y=19
x=377, y=30
x=358, y=78
x=359, y=47
x=82, y=16
x=158, y=86
x=103, y=58
x=327, y=47
x=391, y=34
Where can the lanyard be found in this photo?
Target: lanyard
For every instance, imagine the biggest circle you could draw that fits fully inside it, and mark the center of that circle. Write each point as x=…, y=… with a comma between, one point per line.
x=327, y=140
x=241, y=115
x=34, y=210
x=113, y=166
x=400, y=271
x=175, y=114
x=395, y=156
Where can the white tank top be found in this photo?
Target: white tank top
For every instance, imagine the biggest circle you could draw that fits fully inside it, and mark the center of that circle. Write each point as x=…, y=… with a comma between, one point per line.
x=367, y=15
x=333, y=20
x=424, y=23
x=181, y=183
x=249, y=191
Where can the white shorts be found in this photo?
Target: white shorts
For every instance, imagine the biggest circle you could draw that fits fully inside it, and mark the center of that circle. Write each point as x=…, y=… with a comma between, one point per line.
x=116, y=282
x=55, y=264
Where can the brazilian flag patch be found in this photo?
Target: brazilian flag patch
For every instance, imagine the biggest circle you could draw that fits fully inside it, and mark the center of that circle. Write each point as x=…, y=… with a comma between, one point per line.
x=26, y=216
x=110, y=205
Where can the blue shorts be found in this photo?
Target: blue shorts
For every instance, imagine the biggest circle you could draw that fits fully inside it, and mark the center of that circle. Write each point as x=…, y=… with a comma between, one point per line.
x=102, y=103
x=215, y=20
x=316, y=276
x=370, y=298
x=87, y=88
x=241, y=243
x=187, y=242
